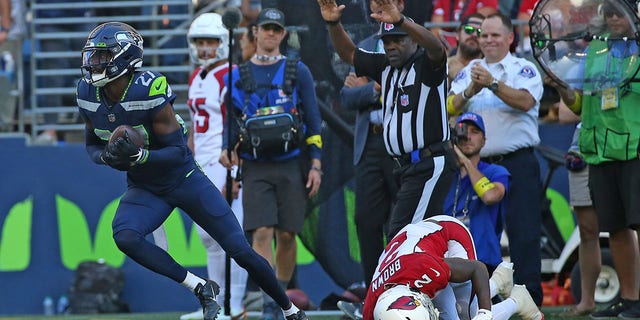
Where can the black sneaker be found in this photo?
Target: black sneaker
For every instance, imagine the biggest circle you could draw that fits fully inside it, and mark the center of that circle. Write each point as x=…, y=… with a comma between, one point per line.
x=614, y=309
x=300, y=315
x=631, y=313
x=207, y=295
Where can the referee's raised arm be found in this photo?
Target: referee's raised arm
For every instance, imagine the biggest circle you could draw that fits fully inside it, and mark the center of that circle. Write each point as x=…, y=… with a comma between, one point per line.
x=390, y=13
x=331, y=14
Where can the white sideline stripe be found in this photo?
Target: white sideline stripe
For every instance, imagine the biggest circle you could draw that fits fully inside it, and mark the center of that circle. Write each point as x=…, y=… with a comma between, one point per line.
x=307, y=312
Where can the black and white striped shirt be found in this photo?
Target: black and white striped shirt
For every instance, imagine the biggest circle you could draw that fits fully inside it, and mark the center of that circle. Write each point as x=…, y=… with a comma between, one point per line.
x=414, y=97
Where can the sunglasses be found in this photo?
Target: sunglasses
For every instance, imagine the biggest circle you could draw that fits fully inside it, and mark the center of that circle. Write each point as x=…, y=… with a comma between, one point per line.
x=608, y=12
x=468, y=29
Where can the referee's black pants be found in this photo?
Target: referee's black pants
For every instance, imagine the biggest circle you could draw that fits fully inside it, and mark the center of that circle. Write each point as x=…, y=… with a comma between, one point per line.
x=423, y=187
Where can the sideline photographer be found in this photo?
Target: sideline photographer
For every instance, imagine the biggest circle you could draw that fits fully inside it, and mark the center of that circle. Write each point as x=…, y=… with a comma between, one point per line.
x=476, y=195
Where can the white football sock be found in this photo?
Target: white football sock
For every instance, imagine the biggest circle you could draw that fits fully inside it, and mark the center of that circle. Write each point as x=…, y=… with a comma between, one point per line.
x=191, y=281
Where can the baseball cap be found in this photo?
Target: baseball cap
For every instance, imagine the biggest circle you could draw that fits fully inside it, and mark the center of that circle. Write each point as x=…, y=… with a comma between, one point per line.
x=473, y=118
x=390, y=29
x=270, y=16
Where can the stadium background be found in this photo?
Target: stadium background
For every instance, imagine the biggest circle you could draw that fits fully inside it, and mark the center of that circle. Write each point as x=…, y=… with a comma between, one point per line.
x=56, y=206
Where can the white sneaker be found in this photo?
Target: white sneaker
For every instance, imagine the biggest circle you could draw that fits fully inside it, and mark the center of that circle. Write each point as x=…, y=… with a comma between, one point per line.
x=196, y=315
x=235, y=315
x=503, y=278
x=527, y=309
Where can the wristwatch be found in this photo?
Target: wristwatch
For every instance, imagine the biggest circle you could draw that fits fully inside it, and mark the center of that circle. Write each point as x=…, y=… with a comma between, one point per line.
x=494, y=85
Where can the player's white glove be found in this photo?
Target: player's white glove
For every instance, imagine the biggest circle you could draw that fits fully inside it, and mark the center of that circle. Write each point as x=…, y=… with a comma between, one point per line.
x=483, y=314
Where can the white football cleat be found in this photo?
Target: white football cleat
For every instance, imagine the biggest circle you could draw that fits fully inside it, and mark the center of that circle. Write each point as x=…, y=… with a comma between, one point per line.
x=527, y=309
x=503, y=278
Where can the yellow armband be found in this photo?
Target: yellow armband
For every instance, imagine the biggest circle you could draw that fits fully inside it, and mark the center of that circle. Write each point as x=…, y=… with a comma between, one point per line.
x=316, y=140
x=576, y=106
x=482, y=186
x=450, y=109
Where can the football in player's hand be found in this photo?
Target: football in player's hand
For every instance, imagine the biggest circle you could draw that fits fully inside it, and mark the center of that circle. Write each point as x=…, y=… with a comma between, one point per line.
x=126, y=131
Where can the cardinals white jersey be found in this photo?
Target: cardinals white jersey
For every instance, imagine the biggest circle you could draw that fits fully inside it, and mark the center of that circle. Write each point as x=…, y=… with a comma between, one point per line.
x=415, y=257
x=206, y=105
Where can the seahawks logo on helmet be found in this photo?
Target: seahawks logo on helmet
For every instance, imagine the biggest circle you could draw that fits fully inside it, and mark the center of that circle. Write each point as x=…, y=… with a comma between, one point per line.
x=112, y=50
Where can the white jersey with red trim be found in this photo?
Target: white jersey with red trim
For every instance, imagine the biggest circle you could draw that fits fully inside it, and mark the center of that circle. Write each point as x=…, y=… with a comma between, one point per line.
x=206, y=105
x=415, y=257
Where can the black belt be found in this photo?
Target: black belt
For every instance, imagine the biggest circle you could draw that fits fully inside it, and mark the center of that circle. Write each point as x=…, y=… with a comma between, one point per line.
x=375, y=128
x=432, y=150
x=501, y=157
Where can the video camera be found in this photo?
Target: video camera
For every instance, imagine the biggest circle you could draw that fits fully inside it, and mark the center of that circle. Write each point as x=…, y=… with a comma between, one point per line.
x=459, y=132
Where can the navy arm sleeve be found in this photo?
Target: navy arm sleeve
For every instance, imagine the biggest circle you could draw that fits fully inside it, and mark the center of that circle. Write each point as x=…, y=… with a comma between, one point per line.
x=172, y=152
x=94, y=146
x=311, y=113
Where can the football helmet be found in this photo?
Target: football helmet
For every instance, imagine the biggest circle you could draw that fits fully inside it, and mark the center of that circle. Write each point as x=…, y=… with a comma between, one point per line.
x=112, y=50
x=402, y=303
x=208, y=25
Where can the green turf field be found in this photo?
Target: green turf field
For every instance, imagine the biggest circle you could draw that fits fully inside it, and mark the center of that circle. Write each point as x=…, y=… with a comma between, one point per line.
x=550, y=313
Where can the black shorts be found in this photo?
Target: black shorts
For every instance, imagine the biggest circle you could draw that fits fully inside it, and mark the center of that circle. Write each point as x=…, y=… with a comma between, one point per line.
x=274, y=194
x=614, y=190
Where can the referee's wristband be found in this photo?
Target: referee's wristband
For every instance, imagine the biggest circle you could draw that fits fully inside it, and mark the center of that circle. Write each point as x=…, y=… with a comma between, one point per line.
x=399, y=22
x=332, y=23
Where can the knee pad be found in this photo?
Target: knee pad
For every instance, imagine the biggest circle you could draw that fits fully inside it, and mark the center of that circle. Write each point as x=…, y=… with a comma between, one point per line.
x=127, y=240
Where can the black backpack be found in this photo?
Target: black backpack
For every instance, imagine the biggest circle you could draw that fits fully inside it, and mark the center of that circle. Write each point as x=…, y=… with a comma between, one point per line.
x=97, y=288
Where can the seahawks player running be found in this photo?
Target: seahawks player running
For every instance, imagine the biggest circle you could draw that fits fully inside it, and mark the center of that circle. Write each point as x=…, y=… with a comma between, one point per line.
x=161, y=175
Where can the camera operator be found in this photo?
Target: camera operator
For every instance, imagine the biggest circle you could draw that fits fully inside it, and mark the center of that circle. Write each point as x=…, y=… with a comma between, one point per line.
x=476, y=194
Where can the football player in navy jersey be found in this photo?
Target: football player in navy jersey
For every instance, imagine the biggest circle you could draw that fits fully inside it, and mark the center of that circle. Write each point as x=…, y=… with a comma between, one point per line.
x=162, y=174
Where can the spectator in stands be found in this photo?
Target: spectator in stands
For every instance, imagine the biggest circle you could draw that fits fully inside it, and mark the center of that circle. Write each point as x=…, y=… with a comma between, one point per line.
x=477, y=192
x=250, y=10
x=277, y=176
x=418, y=10
x=468, y=46
x=58, y=45
x=506, y=92
x=452, y=11
x=608, y=141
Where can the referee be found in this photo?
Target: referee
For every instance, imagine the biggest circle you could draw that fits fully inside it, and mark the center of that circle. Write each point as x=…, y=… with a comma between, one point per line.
x=412, y=73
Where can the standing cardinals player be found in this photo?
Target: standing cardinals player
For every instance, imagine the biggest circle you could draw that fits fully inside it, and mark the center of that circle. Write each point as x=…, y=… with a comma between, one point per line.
x=433, y=263
x=208, y=46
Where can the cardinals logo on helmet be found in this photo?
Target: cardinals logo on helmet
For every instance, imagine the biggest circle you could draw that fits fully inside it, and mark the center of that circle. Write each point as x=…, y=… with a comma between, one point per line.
x=404, y=303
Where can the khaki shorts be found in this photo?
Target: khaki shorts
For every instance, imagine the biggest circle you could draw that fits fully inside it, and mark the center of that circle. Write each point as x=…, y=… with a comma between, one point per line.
x=579, y=194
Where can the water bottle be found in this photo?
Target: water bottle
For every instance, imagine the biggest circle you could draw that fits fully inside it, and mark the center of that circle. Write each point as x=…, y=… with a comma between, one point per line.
x=9, y=64
x=63, y=305
x=48, y=307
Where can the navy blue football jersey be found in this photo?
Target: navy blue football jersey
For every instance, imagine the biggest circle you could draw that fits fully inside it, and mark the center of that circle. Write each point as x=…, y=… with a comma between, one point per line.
x=148, y=93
